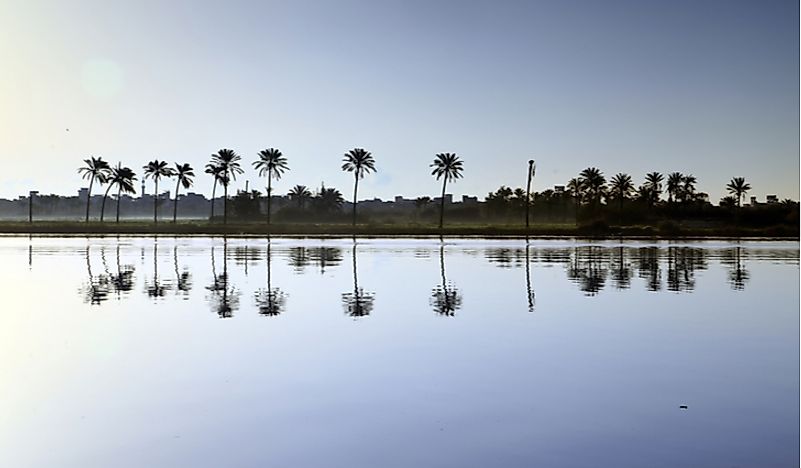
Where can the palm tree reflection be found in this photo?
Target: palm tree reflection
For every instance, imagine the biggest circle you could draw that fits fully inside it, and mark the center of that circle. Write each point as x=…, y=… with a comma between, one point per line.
x=682, y=262
x=154, y=287
x=270, y=301
x=587, y=269
x=445, y=298
x=357, y=303
x=529, y=292
x=96, y=290
x=123, y=280
x=620, y=269
x=224, y=298
x=183, y=279
x=323, y=257
x=649, y=267
x=738, y=274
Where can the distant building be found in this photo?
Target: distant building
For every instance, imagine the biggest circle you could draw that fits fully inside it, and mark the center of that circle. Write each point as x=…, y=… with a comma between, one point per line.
x=558, y=189
x=468, y=200
x=772, y=199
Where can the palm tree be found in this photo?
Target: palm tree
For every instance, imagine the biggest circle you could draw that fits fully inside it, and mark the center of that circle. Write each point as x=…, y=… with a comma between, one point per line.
x=359, y=162
x=738, y=187
x=653, y=183
x=215, y=171
x=184, y=173
x=674, y=185
x=576, y=188
x=300, y=194
x=229, y=164
x=156, y=170
x=594, y=182
x=328, y=200
x=447, y=166
x=273, y=164
x=687, y=191
x=95, y=168
x=123, y=178
x=621, y=187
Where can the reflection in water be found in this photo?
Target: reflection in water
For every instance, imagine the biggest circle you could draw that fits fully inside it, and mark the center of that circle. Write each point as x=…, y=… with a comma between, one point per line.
x=224, y=298
x=737, y=273
x=357, y=303
x=154, y=287
x=529, y=291
x=445, y=298
x=591, y=267
x=183, y=279
x=96, y=290
x=270, y=301
x=323, y=257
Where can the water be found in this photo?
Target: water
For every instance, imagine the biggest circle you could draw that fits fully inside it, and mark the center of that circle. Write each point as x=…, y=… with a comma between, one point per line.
x=200, y=351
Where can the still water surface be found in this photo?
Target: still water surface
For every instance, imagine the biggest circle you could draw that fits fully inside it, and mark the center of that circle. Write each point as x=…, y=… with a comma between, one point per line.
x=132, y=352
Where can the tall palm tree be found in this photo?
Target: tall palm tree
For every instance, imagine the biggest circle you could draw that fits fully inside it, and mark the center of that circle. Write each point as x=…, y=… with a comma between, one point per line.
x=595, y=183
x=300, y=194
x=94, y=169
x=215, y=171
x=674, y=185
x=687, y=191
x=360, y=162
x=156, y=170
x=123, y=178
x=738, y=187
x=653, y=182
x=184, y=173
x=621, y=187
x=576, y=188
x=532, y=168
x=272, y=164
x=229, y=163
x=447, y=166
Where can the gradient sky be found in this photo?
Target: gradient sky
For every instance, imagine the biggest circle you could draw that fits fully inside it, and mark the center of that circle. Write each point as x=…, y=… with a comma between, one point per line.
x=706, y=87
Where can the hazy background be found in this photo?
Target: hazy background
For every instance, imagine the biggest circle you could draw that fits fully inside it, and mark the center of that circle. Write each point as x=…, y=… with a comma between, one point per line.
x=705, y=87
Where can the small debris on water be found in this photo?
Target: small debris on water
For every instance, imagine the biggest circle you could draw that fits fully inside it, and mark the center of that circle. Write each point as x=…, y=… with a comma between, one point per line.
x=682, y=406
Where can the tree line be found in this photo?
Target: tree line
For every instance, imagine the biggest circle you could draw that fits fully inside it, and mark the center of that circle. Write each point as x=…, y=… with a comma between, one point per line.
x=590, y=193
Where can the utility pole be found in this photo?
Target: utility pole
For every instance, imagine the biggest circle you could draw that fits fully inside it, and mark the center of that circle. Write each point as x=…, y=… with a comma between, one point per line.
x=532, y=168
x=31, y=194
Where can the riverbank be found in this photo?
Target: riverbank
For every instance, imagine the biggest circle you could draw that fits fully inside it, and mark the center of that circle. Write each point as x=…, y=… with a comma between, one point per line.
x=664, y=231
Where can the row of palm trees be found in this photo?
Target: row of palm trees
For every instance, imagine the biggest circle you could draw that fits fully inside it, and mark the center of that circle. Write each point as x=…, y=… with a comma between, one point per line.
x=591, y=187
x=226, y=164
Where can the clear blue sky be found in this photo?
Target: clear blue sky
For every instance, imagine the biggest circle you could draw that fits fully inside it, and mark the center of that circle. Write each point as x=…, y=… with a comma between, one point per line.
x=706, y=87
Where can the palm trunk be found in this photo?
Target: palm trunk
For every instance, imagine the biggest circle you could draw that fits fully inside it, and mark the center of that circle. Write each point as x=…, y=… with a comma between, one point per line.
x=528, y=196
x=442, y=202
x=156, y=203
x=225, y=204
x=213, y=191
x=119, y=192
x=89, y=197
x=175, y=203
x=103, y=205
x=355, y=191
x=269, y=194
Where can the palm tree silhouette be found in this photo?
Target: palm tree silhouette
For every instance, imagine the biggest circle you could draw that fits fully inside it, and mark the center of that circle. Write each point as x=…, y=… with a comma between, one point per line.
x=447, y=166
x=156, y=170
x=577, y=189
x=621, y=187
x=653, y=184
x=184, y=173
x=738, y=187
x=225, y=298
x=123, y=178
x=229, y=163
x=215, y=171
x=594, y=183
x=360, y=162
x=328, y=200
x=272, y=164
x=300, y=194
x=358, y=303
x=270, y=301
x=673, y=186
x=94, y=169
x=445, y=298
x=687, y=191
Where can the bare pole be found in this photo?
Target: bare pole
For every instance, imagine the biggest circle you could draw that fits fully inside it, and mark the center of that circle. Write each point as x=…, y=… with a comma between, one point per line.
x=531, y=169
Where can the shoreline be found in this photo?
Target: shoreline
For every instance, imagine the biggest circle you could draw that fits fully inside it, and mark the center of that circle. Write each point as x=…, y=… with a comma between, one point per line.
x=189, y=228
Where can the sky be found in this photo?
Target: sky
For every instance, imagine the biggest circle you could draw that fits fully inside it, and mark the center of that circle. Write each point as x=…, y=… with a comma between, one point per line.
x=703, y=87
